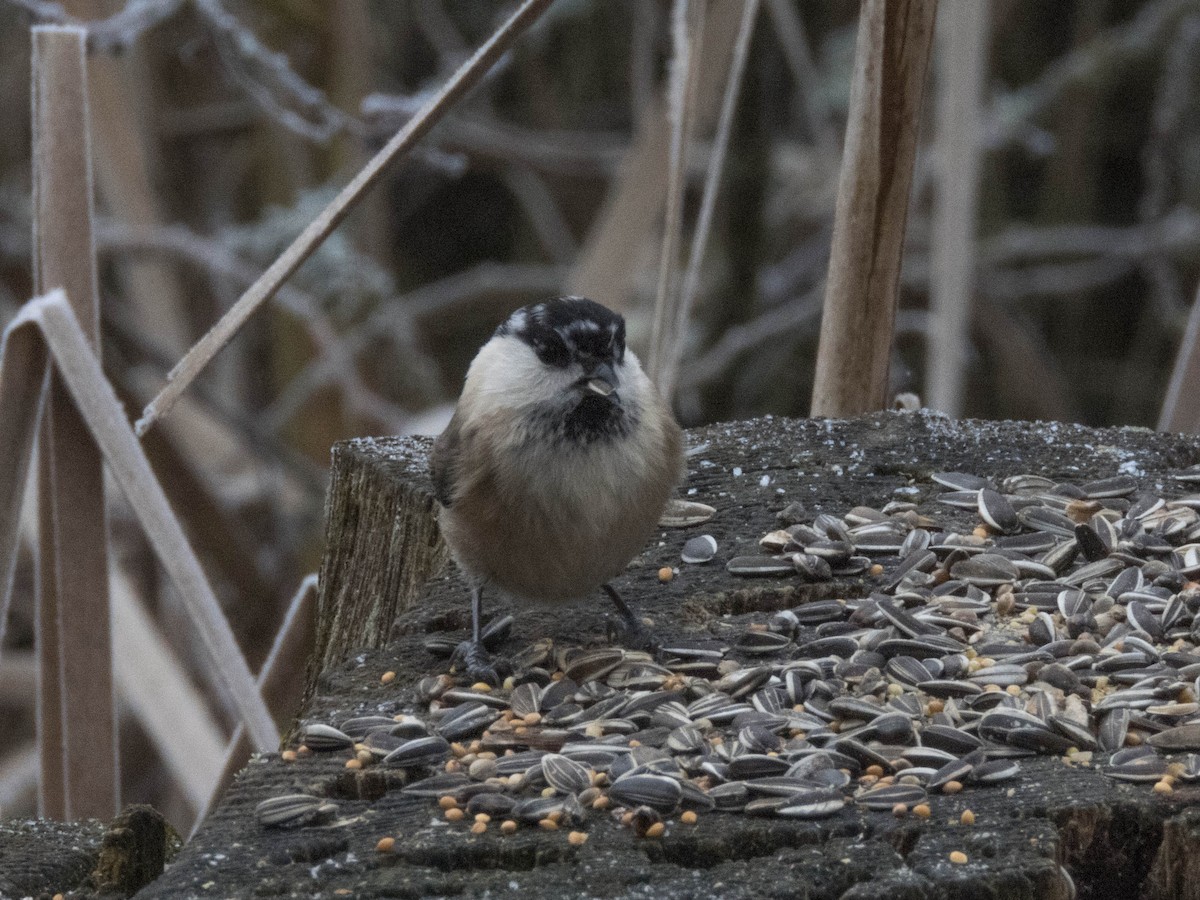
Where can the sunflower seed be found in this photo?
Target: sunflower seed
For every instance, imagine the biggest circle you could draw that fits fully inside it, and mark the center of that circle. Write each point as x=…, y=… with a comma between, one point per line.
x=293, y=810
x=700, y=549
x=316, y=736
x=565, y=775
x=656, y=791
x=759, y=566
x=419, y=753
x=816, y=804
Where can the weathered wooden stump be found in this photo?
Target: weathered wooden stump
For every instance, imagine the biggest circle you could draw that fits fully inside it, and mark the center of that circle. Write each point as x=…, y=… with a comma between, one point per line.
x=1115, y=839
x=84, y=859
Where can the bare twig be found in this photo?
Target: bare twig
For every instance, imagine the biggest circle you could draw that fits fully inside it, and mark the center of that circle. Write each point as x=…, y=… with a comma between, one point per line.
x=1011, y=116
x=335, y=363
x=440, y=31
x=77, y=713
x=571, y=153
x=541, y=209
x=796, y=315
x=687, y=35
x=46, y=327
x=111, y=34
x=267, y=78
x=891, y=58
x=616, y=250
x=677, y=336
x=962, y=59
x=300, y=249
x=789, y=28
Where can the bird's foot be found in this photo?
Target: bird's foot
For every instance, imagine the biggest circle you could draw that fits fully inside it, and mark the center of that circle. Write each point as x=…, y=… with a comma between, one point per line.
x=471, y=657
x=631, y=633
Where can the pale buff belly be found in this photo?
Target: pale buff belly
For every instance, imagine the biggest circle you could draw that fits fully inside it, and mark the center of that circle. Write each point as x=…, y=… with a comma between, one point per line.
x=558, y=543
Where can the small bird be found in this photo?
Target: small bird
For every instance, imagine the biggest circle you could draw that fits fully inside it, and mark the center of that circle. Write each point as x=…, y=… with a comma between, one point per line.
x=556, y=465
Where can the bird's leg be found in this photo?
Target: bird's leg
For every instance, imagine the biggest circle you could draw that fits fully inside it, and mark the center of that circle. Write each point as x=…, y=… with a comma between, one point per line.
x=632, y=631
x=470, y=655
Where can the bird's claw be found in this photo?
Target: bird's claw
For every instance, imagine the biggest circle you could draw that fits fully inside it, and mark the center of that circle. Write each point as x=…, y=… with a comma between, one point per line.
x=632, y=634
x=472, y=658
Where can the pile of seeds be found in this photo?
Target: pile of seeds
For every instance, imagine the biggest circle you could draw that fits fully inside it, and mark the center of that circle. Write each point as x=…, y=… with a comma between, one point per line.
x=1063, y=623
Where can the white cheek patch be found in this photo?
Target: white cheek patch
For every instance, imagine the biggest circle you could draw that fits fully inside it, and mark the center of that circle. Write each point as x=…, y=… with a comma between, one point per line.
x=506, y=374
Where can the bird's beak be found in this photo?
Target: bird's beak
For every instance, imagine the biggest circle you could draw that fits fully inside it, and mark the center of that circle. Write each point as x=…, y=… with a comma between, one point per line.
x=602, y=380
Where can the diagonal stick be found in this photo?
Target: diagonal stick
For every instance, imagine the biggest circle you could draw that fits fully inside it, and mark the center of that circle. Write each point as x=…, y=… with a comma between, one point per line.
x=322, y=226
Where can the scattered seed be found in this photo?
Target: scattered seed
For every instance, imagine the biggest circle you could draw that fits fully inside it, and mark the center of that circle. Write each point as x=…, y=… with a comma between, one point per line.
x=665, y=574
x=387, y=677
x=454, y=814
x=688, y=817
x=700, y=549
x=967, y=817
x=1064, y=626
x=958, y=857
x=577, y=838
x=386, y=844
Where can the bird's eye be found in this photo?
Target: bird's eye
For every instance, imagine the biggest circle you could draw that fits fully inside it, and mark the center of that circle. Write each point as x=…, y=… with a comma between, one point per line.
x=551, y=352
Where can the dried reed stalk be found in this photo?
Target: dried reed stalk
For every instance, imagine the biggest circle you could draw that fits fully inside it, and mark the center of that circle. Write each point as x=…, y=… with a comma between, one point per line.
x=958, y=151
x=156, y=688
x=77, y=729
x=277, y=682
x=677, y=335
x=891, y=59
x=320, y=228
x=609, y=265
x=1181, y=406
x=687, y=34
x=46, y=328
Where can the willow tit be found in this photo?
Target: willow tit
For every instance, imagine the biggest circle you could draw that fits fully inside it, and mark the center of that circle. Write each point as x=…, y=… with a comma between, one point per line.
x=557, y=463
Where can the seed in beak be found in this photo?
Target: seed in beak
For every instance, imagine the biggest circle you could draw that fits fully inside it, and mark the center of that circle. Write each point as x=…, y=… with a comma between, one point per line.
x=600, y=386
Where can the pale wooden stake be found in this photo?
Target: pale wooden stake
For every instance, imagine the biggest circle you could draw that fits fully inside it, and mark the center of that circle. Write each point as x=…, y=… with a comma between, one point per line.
x=891, y=59
x=76, y=715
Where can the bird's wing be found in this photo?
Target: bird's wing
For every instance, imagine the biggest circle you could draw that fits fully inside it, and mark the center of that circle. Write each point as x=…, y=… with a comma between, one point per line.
x=443, y=463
